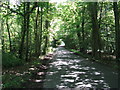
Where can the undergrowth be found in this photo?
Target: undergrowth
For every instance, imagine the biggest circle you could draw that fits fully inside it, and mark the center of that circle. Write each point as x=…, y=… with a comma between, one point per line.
x=10, y=60
x=15, y=77
x=112, y=63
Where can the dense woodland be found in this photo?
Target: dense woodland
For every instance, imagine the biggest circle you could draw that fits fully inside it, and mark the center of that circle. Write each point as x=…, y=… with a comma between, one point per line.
x=91, y=28
x=33, y=29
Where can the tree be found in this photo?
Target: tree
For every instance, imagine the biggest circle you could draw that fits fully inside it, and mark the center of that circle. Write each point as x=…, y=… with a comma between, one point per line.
x=117, y=29
x=27, y=32
x=36, y=33
x=25, y=29
x=46, y=26
x=8, y=28
x=95, y=30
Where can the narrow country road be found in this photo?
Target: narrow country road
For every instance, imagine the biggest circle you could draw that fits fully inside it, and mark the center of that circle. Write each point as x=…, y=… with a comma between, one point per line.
x=71, y=71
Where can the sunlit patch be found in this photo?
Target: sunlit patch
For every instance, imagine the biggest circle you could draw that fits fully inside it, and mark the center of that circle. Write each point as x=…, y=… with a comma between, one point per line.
x=38, y=81
x=43, y=67
x=77, y=78
x=18, y=74
x=84, y=85
x=86, y=75
x=85, y=68
x=74, y=67
x=93, y=68
x=60, y=63
x=76, y=61
x=70, y=63
x=61, y=86
x=101, y=81
x=79, y=83
x=59, y=68
x=26, y=73
x=69, y=80
x=96, y=81
x=50, y=73
x=31, y=68
x=74, y=76
x=106, y=86
x=102, y=77
x=97, y=73
x=40, y=73
x=77, y=72
x=87, y=79
x=94, y=84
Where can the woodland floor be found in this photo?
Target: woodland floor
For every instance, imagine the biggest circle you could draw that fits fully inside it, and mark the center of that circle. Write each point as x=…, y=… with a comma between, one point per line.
x=66, y=70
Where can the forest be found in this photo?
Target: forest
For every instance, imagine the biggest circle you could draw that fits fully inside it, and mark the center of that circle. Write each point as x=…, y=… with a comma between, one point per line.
x=31, y=31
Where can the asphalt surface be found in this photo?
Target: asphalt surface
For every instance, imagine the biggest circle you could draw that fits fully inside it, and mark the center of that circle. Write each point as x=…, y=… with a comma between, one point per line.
x=68, y=70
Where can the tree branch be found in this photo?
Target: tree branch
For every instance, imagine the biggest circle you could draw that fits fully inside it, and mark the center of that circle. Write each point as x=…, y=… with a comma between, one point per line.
x=35, y=5
x=14, y=11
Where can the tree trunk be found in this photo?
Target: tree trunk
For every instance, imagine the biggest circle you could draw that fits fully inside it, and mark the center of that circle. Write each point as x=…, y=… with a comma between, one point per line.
x=36, y=34
x=9, y=35
x=117, y=30
x=46, y=36
x=40, y=50
x=79, y=36
x=23, y=34
x=30, y=53
x=96, y=42
x=27, y=29
x=2, y=34
x=83, y=34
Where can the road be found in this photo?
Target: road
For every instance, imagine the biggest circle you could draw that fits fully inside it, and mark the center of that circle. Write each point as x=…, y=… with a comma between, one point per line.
x=67, y=70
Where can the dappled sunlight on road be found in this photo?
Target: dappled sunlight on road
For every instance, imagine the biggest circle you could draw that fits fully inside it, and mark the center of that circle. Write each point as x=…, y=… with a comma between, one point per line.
x=71, y=71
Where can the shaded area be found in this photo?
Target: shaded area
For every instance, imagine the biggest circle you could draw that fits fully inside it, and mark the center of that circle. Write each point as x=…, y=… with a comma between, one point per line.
x=71, y=71
x=30, y=75
x=38, y=73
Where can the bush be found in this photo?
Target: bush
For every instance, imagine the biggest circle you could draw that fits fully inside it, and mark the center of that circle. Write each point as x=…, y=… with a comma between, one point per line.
x=10, y=60
x=12, y=81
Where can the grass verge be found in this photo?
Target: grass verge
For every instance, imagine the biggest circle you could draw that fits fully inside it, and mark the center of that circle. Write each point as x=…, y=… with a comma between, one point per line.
x=111, y=63
x=15, y=77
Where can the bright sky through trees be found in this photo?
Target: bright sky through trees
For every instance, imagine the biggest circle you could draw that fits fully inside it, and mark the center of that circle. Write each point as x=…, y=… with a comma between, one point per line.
x=17, y=1
x=58, y=1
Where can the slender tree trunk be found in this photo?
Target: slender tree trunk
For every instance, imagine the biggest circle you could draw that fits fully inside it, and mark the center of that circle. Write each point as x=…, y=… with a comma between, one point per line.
x=117, y=30
x=9, y=35
x=83, y=34
x=23, y=34
x=36, y=33
x=46, y=44
x=27, y=33
x=79, y=36
x=30, y=53
x=2, y=34
x=100, y=20
x=46, y=37
x=41, y=32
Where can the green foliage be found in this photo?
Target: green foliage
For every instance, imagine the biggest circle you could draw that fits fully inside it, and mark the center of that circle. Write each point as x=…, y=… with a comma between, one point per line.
x=16, y=77
x=80, y=53
x=10, y=60
x=12, y=81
